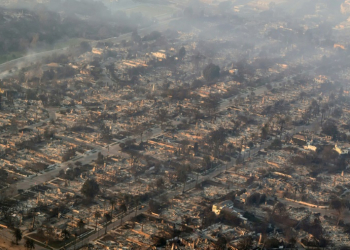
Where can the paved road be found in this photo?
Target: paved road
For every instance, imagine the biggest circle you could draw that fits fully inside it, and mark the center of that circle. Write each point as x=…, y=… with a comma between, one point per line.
x=27, y=183
x=115, y=150
x=170, y=194
x=328, y=212
x=116, y=223
x=178, y=191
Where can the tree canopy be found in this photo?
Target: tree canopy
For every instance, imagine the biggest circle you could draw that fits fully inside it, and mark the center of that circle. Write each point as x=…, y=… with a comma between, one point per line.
x=211, y=72
x=17, y=234
x=182, y=53
x=330, y=128
x=90, y=188
x=276, y=144
x=29, y=244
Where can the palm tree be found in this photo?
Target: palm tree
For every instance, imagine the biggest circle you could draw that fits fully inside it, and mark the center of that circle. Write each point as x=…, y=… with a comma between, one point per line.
x=123, y=208
x=17, y=234
x=33, y=214
x=282, y=122
x=112, y=202
x=137, y=204
x=252, y=137
x=230, y=147
x=104, y=206
x=323, y=114
x=75, y=239
x=108, y=218
x=97, y=215
x=29, y=244
x=66, y=234
x=81, y=225
x=162, y=115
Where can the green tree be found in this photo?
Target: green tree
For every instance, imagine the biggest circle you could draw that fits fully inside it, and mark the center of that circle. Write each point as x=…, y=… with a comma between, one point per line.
x=197, y=83
x=196, y=147
x=206, y=162
x=265, y=131
x=84, y=47
x=108, y=218
x=221, y=243
x=140, y=129
x=230, y=147
x=90, y=188
x=292, y=241
x=280, y=209
x=245, y=243
x=75, y=239
x=337, y=113
x=48, y=134
x=159, y=241
x=182, y=174
x=112, y=202
x=17, y=234
x=162, y=115
x=339, y=206
x=211, y=103
x=330, y=128
x=124, y=209
x=154, y=206
x=282, y=122
x=100, y=159
x=66, y=233
x=211, y=72
x=160, y=183
x=182, y=53
x=81, y=225
x=272, y=243
x=216, y=139
x=29, y=244
x=276, y=144
x=135, y=37
x=97, y=215
x=105, y=132
x=328, y=154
